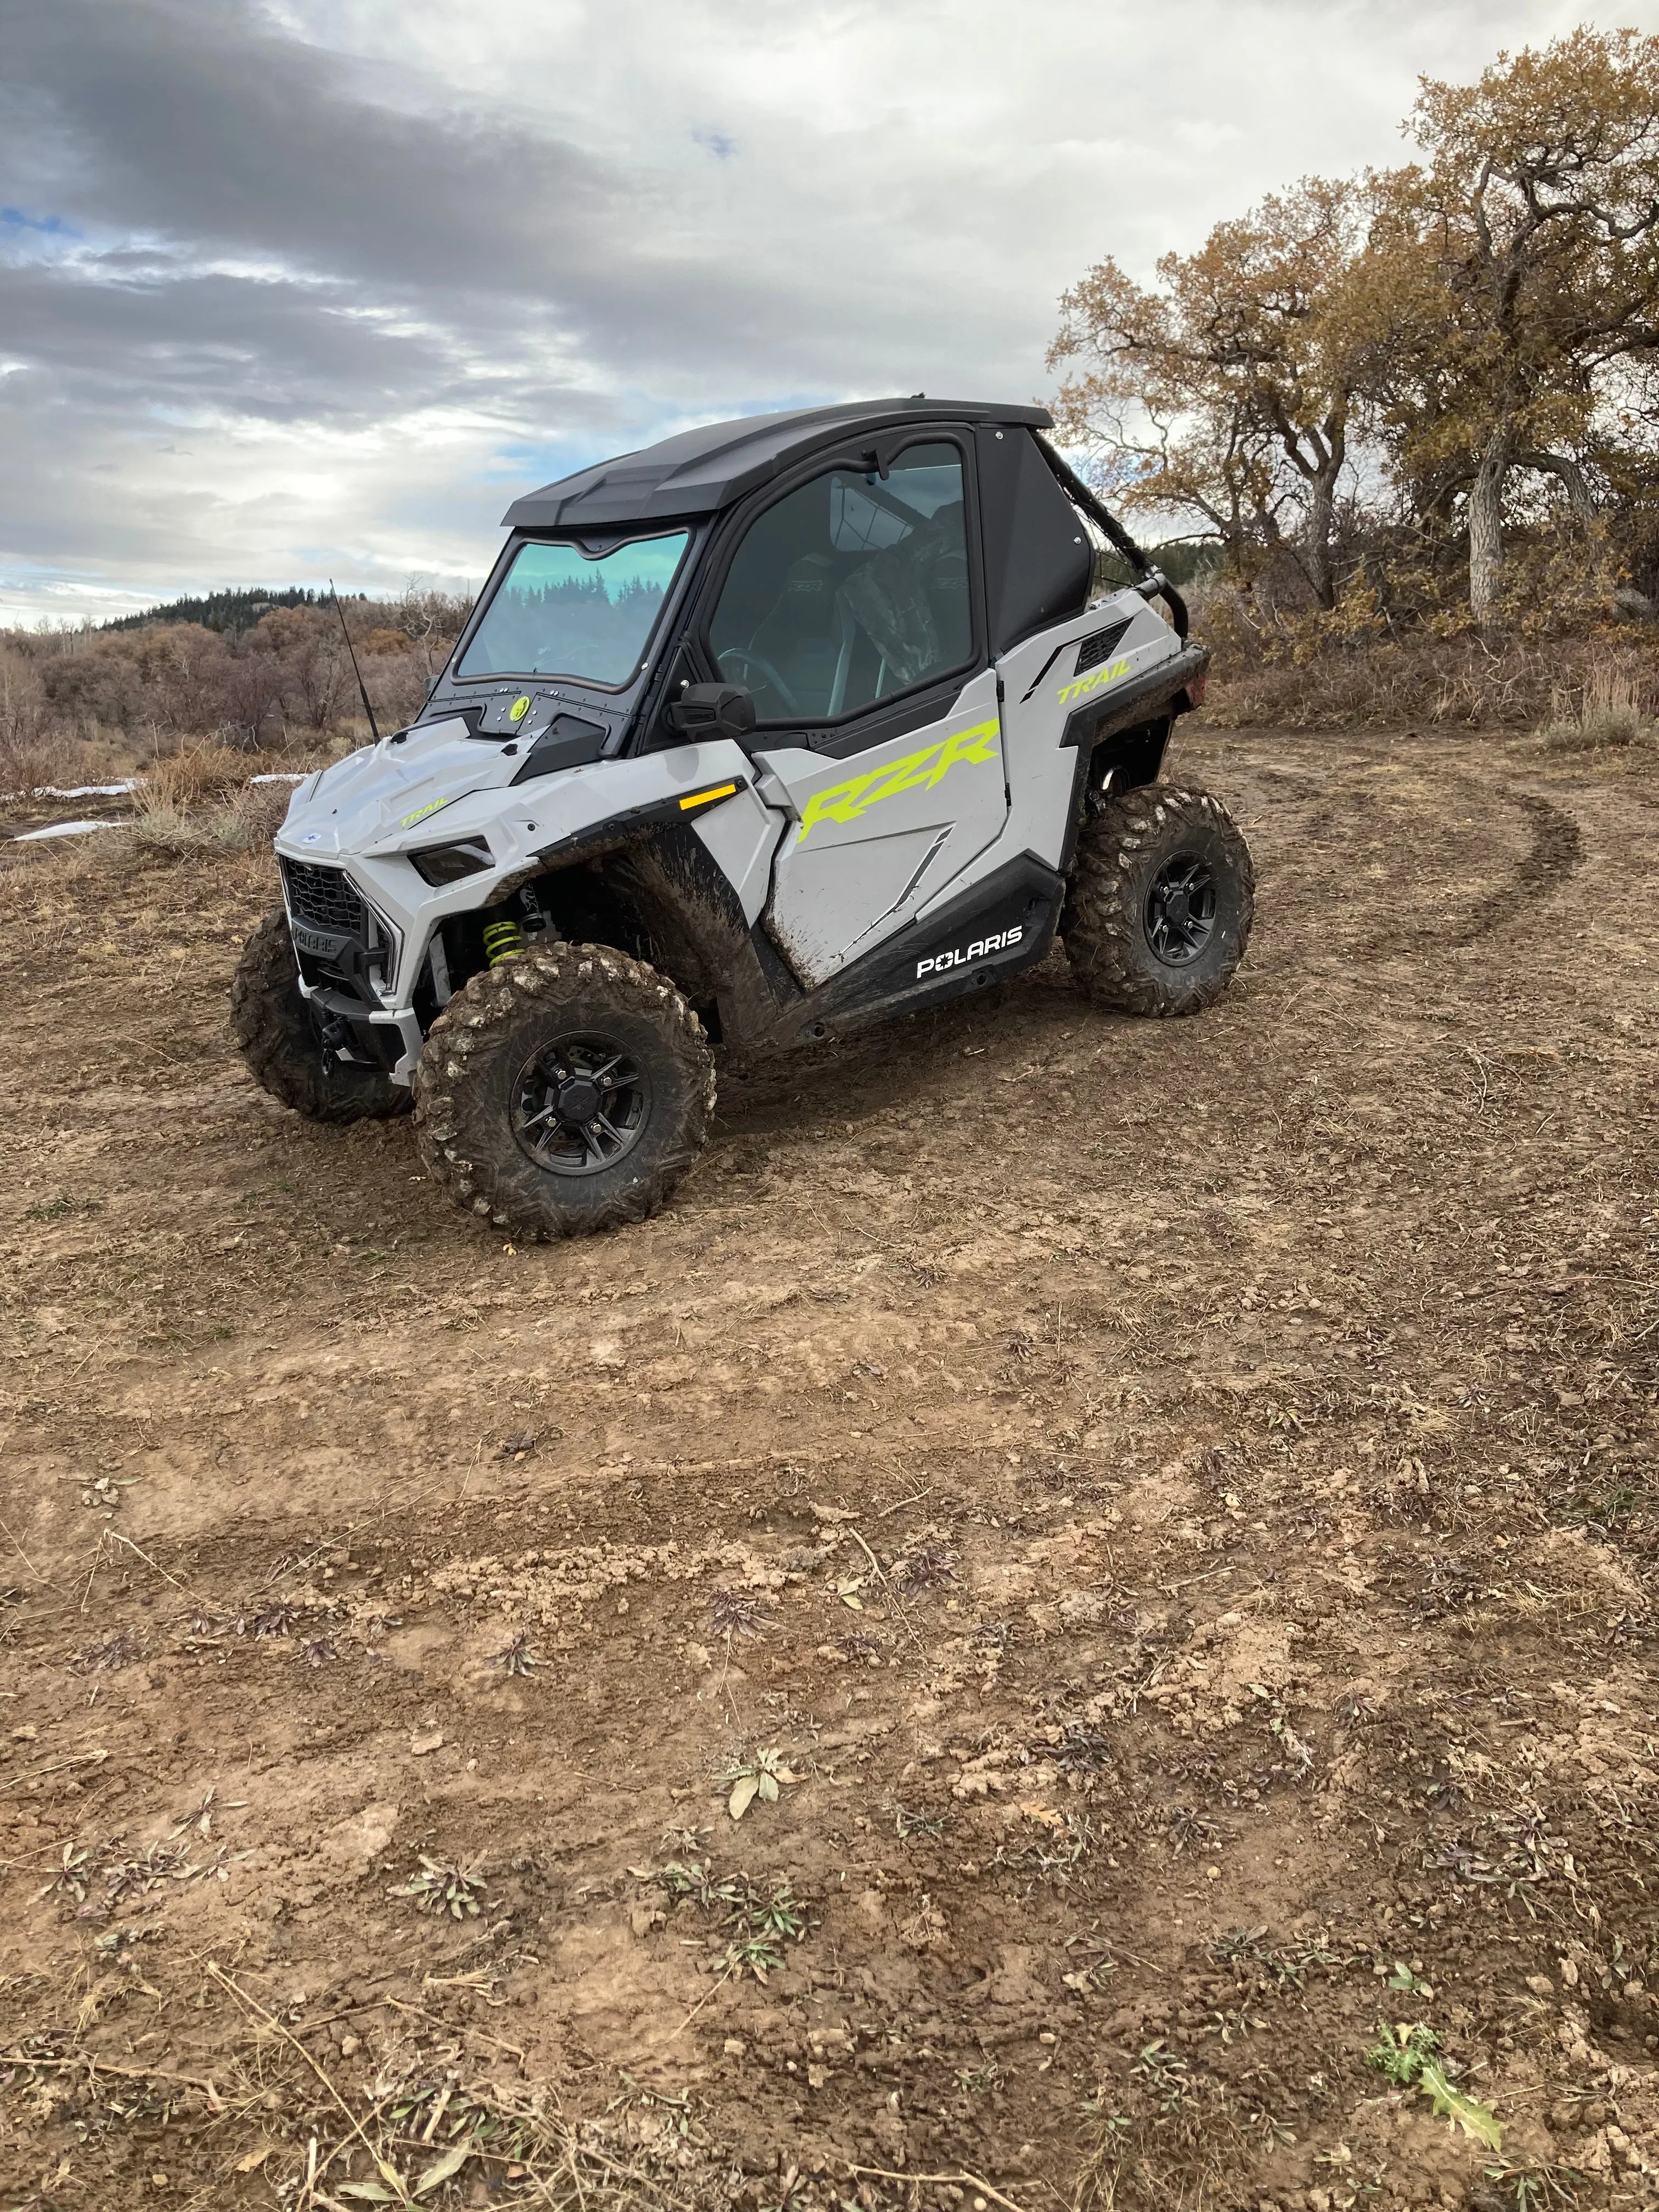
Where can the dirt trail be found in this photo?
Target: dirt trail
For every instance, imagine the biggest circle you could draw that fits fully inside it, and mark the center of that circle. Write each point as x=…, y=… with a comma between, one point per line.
x=1160, y=1518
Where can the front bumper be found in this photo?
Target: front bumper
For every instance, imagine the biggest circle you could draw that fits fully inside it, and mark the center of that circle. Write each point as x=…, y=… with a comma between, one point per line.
x=347, y=955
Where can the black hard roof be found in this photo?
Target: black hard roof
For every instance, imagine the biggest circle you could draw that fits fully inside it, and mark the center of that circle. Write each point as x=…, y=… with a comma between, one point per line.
x=703, y=469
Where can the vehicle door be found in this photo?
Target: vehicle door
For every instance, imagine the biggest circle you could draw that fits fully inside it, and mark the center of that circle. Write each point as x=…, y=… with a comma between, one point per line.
x=851, y=612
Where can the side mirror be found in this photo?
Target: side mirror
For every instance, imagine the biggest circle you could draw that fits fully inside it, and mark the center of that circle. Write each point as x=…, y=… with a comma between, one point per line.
x=713, y=710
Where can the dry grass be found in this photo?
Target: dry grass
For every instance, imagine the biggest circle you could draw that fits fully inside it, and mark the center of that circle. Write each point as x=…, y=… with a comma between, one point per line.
x=31, y=762
x=1608, y=711
x=432, y=2126
x=240, y=821
x=195, y=773
x=199, y=801
x=1422, y=682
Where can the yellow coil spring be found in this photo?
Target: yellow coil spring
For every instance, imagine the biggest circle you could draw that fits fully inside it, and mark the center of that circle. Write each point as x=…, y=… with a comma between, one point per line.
x=502, y=939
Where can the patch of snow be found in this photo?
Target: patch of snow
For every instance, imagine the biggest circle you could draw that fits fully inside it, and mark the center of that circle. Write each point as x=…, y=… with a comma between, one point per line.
x=72, y=791
x=61, y=829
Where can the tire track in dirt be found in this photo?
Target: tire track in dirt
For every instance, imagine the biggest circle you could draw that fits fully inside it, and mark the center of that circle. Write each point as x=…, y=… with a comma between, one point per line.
x=1557, y=852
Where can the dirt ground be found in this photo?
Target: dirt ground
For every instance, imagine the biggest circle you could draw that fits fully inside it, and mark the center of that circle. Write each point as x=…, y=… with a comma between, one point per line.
x=1157, y=1521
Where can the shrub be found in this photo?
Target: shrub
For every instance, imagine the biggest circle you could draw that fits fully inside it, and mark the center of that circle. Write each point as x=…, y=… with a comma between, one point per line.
x=240, y=821
x=191, y=774
x=1608, y=712
x=247, y=687
x=33, y=752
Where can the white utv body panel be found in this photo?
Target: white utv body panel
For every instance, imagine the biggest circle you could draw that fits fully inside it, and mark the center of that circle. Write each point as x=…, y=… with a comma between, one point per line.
x=1041, y=691
x=436, y=785
x=874, y=836
x=741, y=835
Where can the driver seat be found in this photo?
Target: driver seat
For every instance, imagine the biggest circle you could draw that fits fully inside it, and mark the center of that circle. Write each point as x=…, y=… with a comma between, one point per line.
x=797, y=634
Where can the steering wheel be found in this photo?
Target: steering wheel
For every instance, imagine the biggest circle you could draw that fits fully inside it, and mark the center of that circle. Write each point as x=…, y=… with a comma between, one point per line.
x=749, y=662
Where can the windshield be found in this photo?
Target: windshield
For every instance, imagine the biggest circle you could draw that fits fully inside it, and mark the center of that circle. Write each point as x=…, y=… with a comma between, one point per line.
x=560, y=612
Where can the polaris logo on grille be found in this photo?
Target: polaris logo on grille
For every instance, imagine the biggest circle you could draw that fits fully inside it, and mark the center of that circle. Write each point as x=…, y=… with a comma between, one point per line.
x=313, y=940
x=995, y=943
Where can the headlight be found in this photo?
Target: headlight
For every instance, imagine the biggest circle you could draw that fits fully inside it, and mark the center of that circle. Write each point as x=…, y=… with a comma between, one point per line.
x=448, y=864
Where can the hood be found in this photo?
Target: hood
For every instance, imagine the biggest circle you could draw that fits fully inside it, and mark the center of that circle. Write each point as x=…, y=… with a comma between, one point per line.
x=438, y=785
x=376, y=796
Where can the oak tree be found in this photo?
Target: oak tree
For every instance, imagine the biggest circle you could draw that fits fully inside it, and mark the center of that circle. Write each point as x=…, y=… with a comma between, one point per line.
x=1513, y=276
x=1224, y=395
x=1469, y=326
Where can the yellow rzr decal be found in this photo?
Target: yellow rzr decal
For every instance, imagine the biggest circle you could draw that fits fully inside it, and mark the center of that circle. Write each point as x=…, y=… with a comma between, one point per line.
x=408, y=820
x=1093, y=681
x=707, y=797
x=845, y=802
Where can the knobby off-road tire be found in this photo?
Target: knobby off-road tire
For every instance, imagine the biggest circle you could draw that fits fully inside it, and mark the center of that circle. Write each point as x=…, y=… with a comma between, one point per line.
x=509, y=1052
x=1158, y=910
x=273, y=1025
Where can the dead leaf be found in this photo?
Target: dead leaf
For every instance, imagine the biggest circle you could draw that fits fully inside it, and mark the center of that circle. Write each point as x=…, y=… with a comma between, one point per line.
x=255, y=2158
x=743, y=1795
x=1045, y=1815
x=452, y=2163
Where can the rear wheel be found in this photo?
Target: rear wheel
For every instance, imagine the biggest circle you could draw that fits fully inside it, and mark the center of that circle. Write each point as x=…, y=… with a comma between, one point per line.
x=279, y=1039
x=1158, y=910
x=564, y=1091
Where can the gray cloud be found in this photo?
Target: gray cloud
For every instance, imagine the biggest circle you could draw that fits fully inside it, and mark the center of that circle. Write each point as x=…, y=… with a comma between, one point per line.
x=287, y=286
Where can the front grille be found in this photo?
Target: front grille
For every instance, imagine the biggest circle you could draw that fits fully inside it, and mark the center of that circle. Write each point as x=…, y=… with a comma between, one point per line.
x=1101, y=646
x=324, y=897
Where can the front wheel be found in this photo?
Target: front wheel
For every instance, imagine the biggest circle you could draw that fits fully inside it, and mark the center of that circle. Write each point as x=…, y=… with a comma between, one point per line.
x=566, y=1091
x=1158, y=910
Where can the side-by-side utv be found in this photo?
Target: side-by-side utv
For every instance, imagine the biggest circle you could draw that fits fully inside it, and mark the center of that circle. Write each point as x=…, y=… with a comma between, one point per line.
x=775, y=730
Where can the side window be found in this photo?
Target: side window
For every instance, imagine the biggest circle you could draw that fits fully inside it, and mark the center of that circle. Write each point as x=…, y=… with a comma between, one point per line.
x=852, y=588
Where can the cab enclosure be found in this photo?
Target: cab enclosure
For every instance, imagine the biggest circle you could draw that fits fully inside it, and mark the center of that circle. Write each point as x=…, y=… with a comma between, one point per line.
x=804, y=710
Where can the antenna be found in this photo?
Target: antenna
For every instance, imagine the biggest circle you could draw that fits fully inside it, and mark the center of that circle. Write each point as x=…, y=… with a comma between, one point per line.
x=362, y=689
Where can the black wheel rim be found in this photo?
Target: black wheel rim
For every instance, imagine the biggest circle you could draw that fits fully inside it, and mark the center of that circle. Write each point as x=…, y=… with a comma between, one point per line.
x=1180, y=910
x=581, y=1105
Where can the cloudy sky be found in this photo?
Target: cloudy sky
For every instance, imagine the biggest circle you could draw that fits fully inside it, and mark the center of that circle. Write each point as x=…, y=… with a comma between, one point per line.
x=296, y=287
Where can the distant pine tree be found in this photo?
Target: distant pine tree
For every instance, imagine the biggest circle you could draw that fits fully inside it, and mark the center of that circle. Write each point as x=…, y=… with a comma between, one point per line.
x=1183, y=560
x=229, y=611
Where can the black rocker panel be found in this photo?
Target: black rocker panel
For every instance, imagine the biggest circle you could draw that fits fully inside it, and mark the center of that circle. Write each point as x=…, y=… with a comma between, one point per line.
x=1000, y=927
